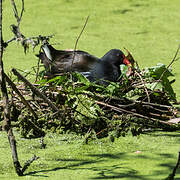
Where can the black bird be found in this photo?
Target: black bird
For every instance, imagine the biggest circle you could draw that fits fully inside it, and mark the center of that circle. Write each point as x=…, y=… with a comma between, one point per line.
x=105, y=68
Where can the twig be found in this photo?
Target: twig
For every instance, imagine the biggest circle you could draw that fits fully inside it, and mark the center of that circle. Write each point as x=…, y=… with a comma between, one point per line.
x=7, y=118
x=35, y=90
x=155, y=109
x=22, y=10
x=135, y=114
x=29, y=162
x=146, y=91
x=132, y=102
x=18, y=18
x=13, y=86
x=19, y=37
x=172, y=61
x=43, y=146
x=34, y=41
x=75, y=47
x=13, y=39
x=37, y=72
x=177, y=165
x=81, y=33
x=171, y=176
x=153, y=104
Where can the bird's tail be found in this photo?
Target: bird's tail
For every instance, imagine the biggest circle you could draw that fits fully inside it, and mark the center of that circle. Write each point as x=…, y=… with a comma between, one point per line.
x=47, y=51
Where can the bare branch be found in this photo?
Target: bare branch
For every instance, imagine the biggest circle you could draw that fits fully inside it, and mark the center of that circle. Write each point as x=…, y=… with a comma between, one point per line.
x=18, y=18
x=75, y=47
x=18, y=36
x=34, y=41
x=172, y=61
x=81, y=33
x=15, y=10
x=171, y=176
x=7, y=118
x=117, y=109
x=35, y=90
x=22, y=10
x=28, y=163
x=146, y=91
x=13, y=86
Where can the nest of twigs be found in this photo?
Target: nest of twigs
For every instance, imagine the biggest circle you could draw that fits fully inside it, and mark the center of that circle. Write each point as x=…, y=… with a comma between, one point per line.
x=70, y=102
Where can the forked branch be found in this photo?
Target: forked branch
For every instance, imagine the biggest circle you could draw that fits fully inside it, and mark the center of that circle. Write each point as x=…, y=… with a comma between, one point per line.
x=172, y=61
x=18, y=36
x=18, y=18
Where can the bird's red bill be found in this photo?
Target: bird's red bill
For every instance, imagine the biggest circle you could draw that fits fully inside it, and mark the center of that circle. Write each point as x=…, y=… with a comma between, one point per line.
x=126, y=61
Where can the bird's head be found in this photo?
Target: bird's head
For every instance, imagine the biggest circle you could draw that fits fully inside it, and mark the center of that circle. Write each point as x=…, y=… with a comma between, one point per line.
x=117, y=57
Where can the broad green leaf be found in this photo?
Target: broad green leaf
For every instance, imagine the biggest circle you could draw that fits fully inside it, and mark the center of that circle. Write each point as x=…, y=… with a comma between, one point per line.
x=88, y=110
x=156, y=72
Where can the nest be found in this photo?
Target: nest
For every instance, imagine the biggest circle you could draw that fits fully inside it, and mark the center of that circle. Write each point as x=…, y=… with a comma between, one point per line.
x=69, y=102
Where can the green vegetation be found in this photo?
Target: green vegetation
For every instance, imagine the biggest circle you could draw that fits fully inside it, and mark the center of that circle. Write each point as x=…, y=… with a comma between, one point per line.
x=150, y=31
x=150, y=156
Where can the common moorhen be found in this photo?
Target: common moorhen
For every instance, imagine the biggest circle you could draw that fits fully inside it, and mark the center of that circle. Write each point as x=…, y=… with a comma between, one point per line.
x=106, y=68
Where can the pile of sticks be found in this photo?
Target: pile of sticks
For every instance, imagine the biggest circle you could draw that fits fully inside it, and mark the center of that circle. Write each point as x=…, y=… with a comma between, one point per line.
x=40, y=104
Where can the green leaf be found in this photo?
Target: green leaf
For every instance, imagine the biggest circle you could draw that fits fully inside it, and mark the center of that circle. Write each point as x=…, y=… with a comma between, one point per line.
x=87, y=110
x=157, y=72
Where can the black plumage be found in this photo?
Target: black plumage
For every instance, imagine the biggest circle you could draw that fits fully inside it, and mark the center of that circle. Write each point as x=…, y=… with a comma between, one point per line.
x=105, y=68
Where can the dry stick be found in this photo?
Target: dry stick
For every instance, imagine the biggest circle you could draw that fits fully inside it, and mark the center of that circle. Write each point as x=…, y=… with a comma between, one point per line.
x=28, y=163
x=37, y=72
x=7, y=119
x=173, y=60
x=35, y=90
x=153, y=104
x=18, y=18
x=144, y=86
x=177, y=51
x=13, y=39
x=13, y=86
x=171, y=177
x=145, y=105
x=22, y=10
x=75, y=47
x=18, y=35
x=15, y=10
x=129, y=112
x=156, y=109
x=133, y=102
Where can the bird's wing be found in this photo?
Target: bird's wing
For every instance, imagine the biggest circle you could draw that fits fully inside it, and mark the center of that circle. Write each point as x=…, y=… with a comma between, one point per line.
x=79, y=61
